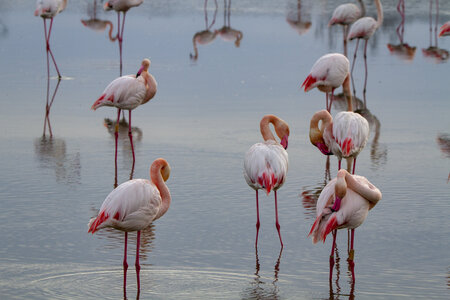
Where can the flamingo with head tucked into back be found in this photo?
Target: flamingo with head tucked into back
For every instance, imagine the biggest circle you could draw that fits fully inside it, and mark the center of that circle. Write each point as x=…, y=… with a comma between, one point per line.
x=266, y=164
x=357, y=196
x=133, y=206
x=128, y=92
x=48, y=9
x=364, y=28
x=328, y=73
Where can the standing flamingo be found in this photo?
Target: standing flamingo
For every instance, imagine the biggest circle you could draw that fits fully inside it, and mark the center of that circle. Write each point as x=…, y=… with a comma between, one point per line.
x=204, y=37
x=133, y=206
x=364, y=28
x=128, y=92
x=47, y=9
x=266, y=164
x=445, y=29
x=121, y=6
x=328, y=73
x=357, y=196
x=346, y=14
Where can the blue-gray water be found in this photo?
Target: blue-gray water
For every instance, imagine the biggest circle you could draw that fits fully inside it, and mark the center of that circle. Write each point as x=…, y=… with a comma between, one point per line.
x=203, y=119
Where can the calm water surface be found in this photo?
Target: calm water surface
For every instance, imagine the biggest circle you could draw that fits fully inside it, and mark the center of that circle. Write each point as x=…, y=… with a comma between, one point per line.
x=203, y=119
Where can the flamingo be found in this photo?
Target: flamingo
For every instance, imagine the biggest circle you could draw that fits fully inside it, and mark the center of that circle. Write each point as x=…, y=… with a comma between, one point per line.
x=204, y=37
x=134, y=205
x=266, y=164
x=128, y=92
x=48, y=9
x=294, y=19
x=227, y=33
x=344, y=136
x=364, y=28
x=445, y=29
x=357, y=196
x=403, y=50
x=96, y=24
x=121, y=6
x=346, y=14
x=328, y=73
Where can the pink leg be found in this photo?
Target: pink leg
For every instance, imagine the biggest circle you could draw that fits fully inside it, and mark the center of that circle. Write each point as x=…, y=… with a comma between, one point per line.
x=326, y=103
x=47, y=108
x=277, y=224
x=130, y=135
x=332, y=254
x=138, y=267
x=365, y=78
x=125, y=267
x=48, y=46
x=345, y=39
x=331, y=99
x=116, y=135
x=353, y=66
x=351, y=255
x=354, y=164
x=339, y=165
x=257, y=220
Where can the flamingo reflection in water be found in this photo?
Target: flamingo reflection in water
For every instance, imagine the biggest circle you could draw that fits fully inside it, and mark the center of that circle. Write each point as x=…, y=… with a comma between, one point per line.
x=443, y=141
x=402, y=50
x=133, y=206
x=204, y=37
x=357, y=196
x=128, y=92
x=296, y=20
x=121, y=6
x=266, y=164
x=438, y=55
x=96, y=24
x=227, y=33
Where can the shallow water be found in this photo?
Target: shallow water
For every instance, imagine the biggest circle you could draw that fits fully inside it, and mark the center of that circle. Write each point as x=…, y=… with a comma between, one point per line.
x=203, y=119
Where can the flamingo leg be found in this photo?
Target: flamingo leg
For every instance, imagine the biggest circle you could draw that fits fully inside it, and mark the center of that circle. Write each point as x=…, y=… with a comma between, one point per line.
x=354, y=164
x=48, y=45
x=49, y=106
x=47, y=109
x=332, y=254
x=345, y=39
x=332, y=98
x=116, y=135
x=365, y=78
x=125, y=267
x=326, y=103
x=339, y=165
x=130, y=135
x=351, y=255
x=257, y=220
x=136, y=264
x=277, y=223
x=353, y=66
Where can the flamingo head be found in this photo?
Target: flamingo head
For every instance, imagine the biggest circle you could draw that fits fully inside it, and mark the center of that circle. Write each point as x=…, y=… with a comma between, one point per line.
x=144, y=66
x=316, y=138
x=284, y=142
x=282, y=130
x=165, y=171
x=107, y=6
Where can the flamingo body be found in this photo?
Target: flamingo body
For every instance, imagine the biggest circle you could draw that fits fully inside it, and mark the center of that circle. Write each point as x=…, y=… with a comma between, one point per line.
x=47, y=9
x=327, y=73
x=266, y=166
x=121, y=5
x=363, y=28
x=345, y=14
x=445, y=29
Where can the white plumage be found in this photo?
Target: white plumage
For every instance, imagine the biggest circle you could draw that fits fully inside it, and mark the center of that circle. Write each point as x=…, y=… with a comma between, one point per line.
x=49, y=8
x=345, y=14
x=125, y=92
x=121, y=5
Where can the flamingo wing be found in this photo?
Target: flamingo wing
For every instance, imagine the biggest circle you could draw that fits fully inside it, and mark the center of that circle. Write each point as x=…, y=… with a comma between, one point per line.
x=363, y=28
x=49, y=8
x=345, y=14
x=445, y=29
x=131, y=206
x=126, y=92
x=351, y=132
x=329, y=70
x=266, y=166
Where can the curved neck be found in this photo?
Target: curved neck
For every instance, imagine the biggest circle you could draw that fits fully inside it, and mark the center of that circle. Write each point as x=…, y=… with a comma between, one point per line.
x=151, y=86
x=370, y=193
x=194, y=42
x=347, y=92
x=265, y=129
x=158, y=181
x=379, y=13
x=323, y=116
x=111, y=38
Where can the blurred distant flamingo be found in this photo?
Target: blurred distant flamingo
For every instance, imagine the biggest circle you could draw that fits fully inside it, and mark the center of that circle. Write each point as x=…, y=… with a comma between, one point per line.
x=438, y=55
x=266, y=164
x=328, y=73
x=133, y=206
x=206, y=36
x=121, y=6
x=357, y=196
x=47, y=9
x=128, y=92
x=96, y=24
x=364, y=28
x=346, y=14
x=445, y=29
x=403, y=50
x=226, y=32
x=294, y=19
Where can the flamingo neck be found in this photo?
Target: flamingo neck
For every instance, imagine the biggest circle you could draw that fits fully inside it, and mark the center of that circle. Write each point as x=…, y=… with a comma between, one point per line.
x=370, y=193
x=348, y=92
x=379, y=13
x=363, y=8
x=158, y=181
x=151, y=86
x=111, y=38
x=323, y=116
x=265, y=129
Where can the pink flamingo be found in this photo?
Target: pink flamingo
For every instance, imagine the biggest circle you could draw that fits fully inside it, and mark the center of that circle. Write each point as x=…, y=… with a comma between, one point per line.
x=345, y=136
x=128, y=92
x=357, y=196
x=133, y=206
x=346, y=14
x=266, y=164
x=445, y=29
x=328, y=73
x=121, y=6
x=47, y=9
x=204, y=37
x=364, y=28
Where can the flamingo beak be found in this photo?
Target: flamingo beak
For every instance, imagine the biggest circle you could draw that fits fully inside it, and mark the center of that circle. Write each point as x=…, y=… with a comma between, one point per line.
x=323, y=148
x=284, y=142
x=139, y=72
